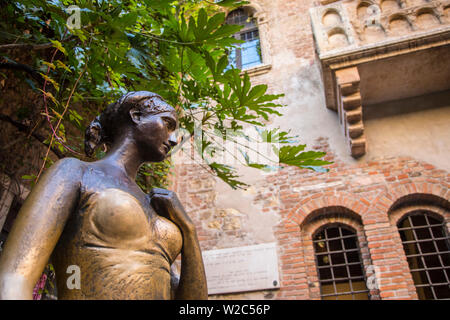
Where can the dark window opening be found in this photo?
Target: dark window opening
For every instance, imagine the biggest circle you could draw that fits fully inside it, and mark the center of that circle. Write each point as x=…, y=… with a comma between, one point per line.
x=427, y=250
x=339, y=265
x=248, y=54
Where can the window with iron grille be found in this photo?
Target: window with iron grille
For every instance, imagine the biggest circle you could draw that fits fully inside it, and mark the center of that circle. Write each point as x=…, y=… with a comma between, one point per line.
x=248, y=53
x=339, y=264
x=427, y=248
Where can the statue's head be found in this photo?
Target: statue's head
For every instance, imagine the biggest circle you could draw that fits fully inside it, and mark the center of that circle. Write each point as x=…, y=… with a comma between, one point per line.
x=142, y=116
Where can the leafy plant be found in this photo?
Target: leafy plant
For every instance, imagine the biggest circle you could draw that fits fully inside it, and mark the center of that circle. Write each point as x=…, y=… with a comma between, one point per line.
x=176, y=48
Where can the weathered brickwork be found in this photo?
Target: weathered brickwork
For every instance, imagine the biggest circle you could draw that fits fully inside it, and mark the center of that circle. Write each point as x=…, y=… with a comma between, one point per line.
x=369, y=194
x=363, y=196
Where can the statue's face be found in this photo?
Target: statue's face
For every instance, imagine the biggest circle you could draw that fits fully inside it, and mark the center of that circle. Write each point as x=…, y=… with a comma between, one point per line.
x=155, y=133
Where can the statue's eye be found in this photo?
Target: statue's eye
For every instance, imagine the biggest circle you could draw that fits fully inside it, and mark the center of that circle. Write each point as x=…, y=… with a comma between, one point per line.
x=171, y=125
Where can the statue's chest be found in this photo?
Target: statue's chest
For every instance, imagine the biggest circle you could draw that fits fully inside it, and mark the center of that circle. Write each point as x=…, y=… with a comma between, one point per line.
x=113, y=218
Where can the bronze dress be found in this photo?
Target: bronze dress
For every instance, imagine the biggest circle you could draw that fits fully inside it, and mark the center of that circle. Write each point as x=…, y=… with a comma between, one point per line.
x=123, y=248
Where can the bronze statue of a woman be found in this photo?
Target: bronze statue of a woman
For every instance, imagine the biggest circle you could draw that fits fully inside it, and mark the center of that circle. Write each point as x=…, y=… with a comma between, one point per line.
x=92, y=215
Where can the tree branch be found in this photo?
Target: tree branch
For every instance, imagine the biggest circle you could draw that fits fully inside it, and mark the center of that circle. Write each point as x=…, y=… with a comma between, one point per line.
x=23, y=128
x=25, y=46
x=30, y=46
x=22, y=67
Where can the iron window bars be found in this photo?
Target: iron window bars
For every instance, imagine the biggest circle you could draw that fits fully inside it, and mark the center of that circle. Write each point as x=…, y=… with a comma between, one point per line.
x=427, y=249
x=339, y=265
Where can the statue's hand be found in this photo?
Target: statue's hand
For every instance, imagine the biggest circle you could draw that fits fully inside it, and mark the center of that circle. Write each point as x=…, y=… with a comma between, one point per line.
x=167, y=204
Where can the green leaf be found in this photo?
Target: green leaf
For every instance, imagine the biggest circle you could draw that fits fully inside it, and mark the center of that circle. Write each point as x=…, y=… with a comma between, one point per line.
x=214, y=22
x=61, y=65
x=58, y=45
x=231, y=3
x=50, y=65
x=293, y=155
x=53, y=82
x=49, y=95
x=228, y=175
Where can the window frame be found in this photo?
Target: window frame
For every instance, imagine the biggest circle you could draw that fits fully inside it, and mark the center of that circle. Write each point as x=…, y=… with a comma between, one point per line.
x=420, y=256
x=349, y=278
x=248, y=27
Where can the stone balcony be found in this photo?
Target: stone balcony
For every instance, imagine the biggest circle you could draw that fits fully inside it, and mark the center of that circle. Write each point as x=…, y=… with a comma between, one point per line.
x=375, y=51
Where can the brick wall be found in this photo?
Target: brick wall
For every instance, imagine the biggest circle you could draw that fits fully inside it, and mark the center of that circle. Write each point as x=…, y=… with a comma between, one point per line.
x=366, y=199
x=370, y=197
x=369, y=194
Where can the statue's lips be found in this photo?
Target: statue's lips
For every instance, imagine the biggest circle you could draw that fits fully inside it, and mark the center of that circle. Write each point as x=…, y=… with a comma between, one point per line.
x=167, y=147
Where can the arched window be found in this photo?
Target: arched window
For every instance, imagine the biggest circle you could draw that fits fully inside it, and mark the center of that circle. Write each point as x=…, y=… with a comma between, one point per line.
x=427, y=249
x=339, y=264
x=247, y=54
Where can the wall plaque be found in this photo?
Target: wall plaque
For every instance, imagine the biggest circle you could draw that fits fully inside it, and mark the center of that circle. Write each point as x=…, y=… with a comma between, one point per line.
x=240, y=269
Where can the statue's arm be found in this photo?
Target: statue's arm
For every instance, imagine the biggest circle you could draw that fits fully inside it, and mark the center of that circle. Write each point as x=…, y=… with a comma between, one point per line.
x=37, y=229
x=192, y=283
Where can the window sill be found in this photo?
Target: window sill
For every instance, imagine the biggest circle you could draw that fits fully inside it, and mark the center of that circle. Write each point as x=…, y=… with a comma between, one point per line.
x=258, y=70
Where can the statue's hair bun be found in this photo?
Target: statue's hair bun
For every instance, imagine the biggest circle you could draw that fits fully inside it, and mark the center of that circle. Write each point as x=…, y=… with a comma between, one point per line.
x=93, y=136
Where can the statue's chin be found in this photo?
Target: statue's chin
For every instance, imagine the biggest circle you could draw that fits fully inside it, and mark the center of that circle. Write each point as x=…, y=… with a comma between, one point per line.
x=157, y=158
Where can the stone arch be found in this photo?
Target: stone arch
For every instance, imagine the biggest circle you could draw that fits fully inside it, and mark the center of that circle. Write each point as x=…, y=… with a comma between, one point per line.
x=337, y=37
x=399, y=24
x=374, y=32
x=331, y=214
x=256, y=11
x=390, y=199
x=250, y=10
x=331, y=17
x=419, y=201
x=253, y=10
x=447, y=12
x=361, y=8
x=390, y=5
x=426, y=18
x=363, y=12
x=316, y=205
x=295, y=243
x=390, y=205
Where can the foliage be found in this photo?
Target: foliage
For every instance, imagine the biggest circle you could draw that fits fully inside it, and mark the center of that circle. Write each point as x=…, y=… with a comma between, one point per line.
x=176, y=48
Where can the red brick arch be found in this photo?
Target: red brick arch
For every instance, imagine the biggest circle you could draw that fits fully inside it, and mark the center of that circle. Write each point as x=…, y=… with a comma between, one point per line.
x=299, y=276
x=318, y=201
x=417, y=201
x=387, y=199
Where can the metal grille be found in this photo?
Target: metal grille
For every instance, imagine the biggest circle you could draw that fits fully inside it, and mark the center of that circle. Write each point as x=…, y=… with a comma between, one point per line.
x=250, y=35
x=339, y=265
x=239, y=16
x=427, y=249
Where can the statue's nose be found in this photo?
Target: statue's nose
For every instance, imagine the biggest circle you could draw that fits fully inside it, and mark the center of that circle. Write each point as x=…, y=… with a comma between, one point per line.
x=173, y=139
